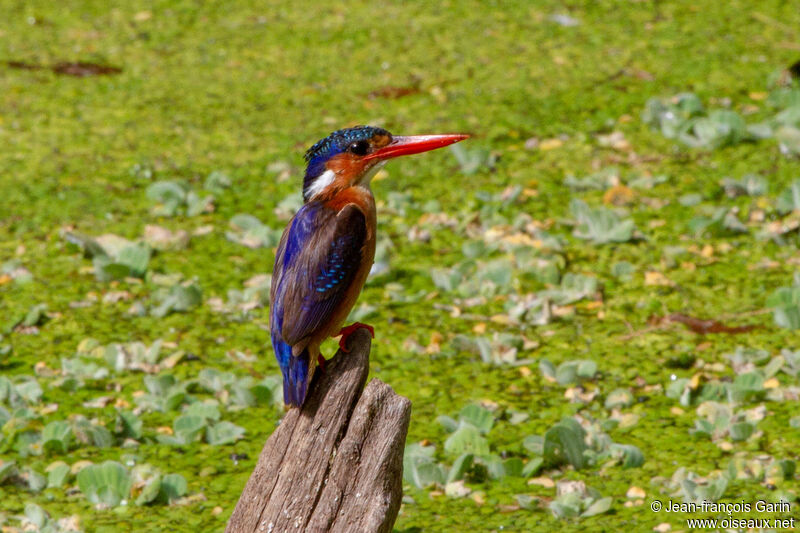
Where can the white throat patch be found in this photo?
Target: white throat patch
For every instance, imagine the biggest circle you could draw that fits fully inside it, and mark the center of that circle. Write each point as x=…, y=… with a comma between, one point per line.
x=371, y=173
x=319, y=184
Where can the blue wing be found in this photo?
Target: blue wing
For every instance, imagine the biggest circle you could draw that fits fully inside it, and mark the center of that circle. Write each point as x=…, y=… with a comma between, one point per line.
x=318, y=257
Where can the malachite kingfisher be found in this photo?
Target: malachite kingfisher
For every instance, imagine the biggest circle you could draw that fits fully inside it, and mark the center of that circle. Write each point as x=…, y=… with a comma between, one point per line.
x=327, y=249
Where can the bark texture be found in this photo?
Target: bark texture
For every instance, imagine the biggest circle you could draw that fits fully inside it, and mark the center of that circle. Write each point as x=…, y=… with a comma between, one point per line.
x=336, y=464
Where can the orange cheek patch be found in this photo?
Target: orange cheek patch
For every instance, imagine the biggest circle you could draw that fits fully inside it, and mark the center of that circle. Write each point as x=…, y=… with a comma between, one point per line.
x=347, y=168
x=379, y=141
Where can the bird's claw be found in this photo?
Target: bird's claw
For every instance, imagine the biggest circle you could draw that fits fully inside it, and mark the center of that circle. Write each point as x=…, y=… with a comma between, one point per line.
x=349, y=330
x=321, y=361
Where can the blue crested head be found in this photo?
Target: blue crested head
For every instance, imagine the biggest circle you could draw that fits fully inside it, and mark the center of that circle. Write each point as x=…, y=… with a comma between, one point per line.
x=358, y=141
x=350, y=157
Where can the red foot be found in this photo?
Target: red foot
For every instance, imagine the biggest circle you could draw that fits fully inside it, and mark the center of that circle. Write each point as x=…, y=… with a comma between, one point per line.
x=321, y=361
x=347, y=331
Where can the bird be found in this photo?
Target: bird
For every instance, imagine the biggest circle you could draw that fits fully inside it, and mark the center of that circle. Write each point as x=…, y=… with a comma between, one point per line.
x=327, y=249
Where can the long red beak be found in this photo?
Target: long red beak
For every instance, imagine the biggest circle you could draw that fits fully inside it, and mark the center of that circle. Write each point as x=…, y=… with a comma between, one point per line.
x=415, y=144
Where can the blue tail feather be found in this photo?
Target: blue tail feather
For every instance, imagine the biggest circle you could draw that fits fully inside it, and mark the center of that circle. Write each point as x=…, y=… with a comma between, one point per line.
x=295, y=380
x=295, y=373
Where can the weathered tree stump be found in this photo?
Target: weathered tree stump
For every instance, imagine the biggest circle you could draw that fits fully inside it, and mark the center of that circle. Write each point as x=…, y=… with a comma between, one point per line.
x=336, y=464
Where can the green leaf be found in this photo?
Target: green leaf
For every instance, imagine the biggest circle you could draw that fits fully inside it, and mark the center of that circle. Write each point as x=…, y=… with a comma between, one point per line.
x=105, y=269
x=632, y=456
x=586, y=368
x=57, y=474
x=534, y=444
x=566, y=506
x=419, y=467
x=36, y=315
x=196, y=205
x=564, y=442
x=702, y=428
x=249, y=231
x=426, y=474
x=623, y=270
x=749, y=382
x=135, y=257
x=671, y=116
x=446, y=279
x=188, y=428
x=174, y=399
x=494, y=466
x=269, y=390
x=128, y=425
x=782, y=97
x=785, y=304
x=181, y=297
x=567, y=373
x=532, y=466
x=215, y=381
x=108, y=483
x=89, y=246
x=217, y=181
x=57, y=436
x=240, y=394
x=500, y=272
x=28, y=389
x=789, y=116
x=449, y=424
x=600, y=225
x=100, y=436
x=513, y=466
x=89, y=433
x=573, y=287
x=460, y=467
x=750, y=185
x=471, y=160
x=598, y=181
x=526, y=501
x=619, y=398
x=788, y=468
x=789, y=199
x=223, y=433
x=688, y=105
x=173, y=487
x=516, y=417
x=122, y=258
x=160, y=385
x=170, y=195
x=759, y=131
x=598, y=507
x=713, y=491
x=150, y=491
x=788, y=138
x=36, y=515
x=186, y=296
x=207, y=410
x=36, y=482
x=547, y=369
x=741, y=431
x=478, y=416
x=722, y=222
x=8, y=469
x=466, y=439
x=721, y=128
x=570, y=372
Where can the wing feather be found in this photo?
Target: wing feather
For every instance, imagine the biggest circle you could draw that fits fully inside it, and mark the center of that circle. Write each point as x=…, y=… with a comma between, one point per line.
x=317, y=260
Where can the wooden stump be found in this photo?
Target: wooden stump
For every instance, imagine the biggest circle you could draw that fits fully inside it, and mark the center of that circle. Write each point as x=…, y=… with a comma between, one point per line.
x=336, y=464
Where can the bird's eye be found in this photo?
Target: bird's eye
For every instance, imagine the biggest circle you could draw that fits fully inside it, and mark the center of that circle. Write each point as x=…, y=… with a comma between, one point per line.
x=359, y=147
